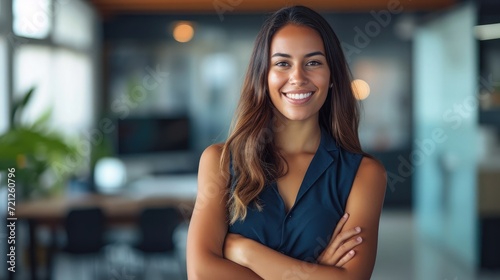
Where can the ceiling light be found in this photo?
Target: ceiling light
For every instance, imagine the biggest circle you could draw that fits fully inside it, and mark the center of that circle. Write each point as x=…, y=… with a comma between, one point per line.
x=183, y=32
x=487, y=31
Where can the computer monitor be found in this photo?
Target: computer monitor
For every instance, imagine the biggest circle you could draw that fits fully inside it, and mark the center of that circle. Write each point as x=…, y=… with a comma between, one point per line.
x=149, y=135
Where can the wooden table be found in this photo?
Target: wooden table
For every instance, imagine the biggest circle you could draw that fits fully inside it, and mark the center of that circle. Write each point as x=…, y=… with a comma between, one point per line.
x=122, y=209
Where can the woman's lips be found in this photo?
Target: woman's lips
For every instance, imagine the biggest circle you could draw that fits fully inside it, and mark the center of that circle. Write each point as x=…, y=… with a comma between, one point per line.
x=298, y=98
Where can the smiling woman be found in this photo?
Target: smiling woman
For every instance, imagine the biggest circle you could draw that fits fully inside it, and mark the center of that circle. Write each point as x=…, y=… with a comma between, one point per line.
x=290, y=194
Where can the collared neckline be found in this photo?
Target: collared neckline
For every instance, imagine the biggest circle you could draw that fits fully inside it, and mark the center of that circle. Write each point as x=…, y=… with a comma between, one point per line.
x=319, y=164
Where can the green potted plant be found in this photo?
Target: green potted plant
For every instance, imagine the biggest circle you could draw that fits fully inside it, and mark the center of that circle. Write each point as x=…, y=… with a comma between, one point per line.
x=38, y=154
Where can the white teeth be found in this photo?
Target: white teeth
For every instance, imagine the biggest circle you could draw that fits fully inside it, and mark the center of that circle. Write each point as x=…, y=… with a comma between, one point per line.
x=298, y=96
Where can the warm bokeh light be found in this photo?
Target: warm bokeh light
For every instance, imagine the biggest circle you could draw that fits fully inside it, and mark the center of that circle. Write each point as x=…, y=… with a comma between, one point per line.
x=361, y=89
x=183, y=32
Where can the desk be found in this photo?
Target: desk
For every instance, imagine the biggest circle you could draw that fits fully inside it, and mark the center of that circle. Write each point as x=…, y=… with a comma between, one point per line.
x=119, y=209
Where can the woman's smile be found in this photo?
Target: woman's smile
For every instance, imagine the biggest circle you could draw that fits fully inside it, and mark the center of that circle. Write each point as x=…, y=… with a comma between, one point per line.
x=298, y=97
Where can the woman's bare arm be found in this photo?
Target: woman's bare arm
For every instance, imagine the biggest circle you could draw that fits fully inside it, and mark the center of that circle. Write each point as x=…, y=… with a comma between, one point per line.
x=208, y=225
x=364, y=206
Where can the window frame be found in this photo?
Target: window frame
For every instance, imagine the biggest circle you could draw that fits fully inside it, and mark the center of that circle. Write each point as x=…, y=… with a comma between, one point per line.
x=14, y=41
x=6, y=32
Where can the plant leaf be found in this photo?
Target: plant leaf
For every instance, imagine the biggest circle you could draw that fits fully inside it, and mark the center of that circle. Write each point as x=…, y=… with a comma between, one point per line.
x=19, y=105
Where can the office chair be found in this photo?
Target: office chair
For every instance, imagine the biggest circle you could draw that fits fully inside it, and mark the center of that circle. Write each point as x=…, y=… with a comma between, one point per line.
x=156, y=229
x=84, y=231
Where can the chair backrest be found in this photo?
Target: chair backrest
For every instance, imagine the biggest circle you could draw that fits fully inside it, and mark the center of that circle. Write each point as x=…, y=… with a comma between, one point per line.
x=157, y=226
x=85, y=230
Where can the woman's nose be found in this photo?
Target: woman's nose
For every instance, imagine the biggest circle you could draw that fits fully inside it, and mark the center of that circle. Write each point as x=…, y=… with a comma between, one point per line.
x=298, y=77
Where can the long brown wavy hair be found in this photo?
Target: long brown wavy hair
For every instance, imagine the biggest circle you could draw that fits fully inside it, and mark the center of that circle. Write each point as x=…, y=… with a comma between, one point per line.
x=250, y=148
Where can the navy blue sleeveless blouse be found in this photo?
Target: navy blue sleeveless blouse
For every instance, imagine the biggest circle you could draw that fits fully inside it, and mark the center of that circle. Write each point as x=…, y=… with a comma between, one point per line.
x=306, y=229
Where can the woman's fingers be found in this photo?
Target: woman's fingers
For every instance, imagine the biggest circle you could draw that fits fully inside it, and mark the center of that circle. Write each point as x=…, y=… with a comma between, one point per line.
x=339, y=226
x=340, y=245
x=336, y=231
x=340, y=239
x=347, y=257
x=342, y=254
x=346, y=248
x=338, y=251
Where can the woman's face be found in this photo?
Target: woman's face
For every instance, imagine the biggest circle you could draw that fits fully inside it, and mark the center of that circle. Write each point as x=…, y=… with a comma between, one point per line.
x=299, y=76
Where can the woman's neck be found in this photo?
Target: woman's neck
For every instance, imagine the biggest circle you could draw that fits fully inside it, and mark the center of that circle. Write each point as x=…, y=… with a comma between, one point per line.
x=295, y=137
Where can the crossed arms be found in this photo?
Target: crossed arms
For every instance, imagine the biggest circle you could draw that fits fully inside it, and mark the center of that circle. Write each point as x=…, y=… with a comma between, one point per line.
x=214, y=254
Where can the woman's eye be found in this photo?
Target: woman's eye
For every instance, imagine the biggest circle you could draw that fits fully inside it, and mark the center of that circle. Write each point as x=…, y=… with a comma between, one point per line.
x=282, y=64
x=314, y=63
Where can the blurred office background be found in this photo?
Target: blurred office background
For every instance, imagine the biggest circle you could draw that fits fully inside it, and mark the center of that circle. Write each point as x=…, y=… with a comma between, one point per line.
x=127, y=94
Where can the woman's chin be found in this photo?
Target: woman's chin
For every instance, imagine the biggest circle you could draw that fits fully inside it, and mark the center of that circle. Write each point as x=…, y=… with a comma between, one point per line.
x=297, y=116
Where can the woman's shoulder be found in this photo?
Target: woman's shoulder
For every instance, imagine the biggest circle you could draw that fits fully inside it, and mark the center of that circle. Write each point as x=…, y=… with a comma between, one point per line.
x=213, y=152
x=211, y=156
x=370, y=169
x=372, y=164
x=210, y=172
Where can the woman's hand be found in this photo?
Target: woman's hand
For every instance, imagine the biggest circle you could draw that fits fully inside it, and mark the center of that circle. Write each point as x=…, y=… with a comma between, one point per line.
x=235, y=247
x=339, y=250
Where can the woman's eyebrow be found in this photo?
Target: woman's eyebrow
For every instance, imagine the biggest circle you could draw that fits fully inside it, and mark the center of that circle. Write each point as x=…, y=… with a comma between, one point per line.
x=314, y=53
x=307, y=55
x=282, y=55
